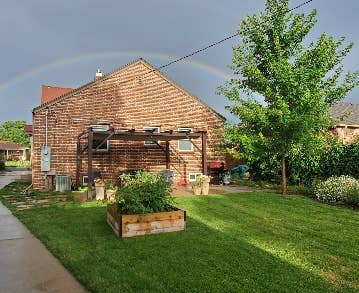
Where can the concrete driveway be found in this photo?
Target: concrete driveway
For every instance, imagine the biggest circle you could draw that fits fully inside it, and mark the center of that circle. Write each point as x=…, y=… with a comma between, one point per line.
x=25, y=264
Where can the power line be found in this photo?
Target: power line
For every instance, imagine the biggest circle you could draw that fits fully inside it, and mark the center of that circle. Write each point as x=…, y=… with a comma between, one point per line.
x=223, y=40
x=201, y=50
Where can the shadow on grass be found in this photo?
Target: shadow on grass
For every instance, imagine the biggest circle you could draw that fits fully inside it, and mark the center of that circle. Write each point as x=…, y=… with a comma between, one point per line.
x=201, y=259
x=319, y=239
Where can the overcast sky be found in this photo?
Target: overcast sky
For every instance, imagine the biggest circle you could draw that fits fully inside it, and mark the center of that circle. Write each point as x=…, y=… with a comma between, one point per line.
x=63, y=42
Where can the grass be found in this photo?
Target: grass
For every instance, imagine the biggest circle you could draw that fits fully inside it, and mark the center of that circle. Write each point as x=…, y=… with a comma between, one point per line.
x=291, y=189
x=24, y=164
x=250, y=242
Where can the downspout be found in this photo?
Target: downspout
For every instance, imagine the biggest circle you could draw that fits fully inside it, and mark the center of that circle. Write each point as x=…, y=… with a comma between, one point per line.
x=46, y=126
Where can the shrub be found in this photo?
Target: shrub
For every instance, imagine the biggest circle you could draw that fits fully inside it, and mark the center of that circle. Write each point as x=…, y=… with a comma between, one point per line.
x=143, y=193
x=2, y=163
x=352, y=195
x=342, y=188
x=321, y=159
x=339, y=159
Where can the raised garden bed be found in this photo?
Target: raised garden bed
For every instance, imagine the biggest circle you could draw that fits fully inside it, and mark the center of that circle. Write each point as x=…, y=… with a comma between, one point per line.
x=135, y=225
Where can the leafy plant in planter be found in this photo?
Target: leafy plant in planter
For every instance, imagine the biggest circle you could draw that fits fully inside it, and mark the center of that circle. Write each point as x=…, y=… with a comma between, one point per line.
x=110, y=190
x=144, y=193
x=144, y=205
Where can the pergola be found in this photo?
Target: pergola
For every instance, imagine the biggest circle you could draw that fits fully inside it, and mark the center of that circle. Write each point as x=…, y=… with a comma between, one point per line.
x=133, y=135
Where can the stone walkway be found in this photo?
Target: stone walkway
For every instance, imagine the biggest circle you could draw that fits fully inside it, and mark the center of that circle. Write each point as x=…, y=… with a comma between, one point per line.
x=25, y=264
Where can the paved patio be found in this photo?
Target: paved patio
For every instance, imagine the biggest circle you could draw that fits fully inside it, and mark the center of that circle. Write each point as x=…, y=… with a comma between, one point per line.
x=25, y=264
x=213, y=189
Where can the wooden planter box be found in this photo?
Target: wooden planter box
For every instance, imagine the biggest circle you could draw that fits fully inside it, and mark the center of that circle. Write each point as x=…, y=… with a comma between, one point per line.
x=135, y=225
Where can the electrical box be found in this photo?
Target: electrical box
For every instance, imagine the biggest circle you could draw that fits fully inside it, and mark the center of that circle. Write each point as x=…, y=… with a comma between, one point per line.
x=45, y=158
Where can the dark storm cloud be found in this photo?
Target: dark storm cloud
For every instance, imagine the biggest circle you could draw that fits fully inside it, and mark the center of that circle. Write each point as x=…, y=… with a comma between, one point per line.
x=35, y=33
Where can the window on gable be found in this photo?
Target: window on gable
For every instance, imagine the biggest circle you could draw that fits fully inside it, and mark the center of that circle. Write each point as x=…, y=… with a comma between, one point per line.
x=151, y=129
x=185, y=145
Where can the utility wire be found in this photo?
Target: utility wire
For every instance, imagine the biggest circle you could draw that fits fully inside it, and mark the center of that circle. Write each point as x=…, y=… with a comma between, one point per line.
x=139, y=77
x=223, y=40
x=204, y=48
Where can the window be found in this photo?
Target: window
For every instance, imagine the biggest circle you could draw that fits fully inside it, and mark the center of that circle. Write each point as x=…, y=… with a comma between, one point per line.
x=85, y=180
x=151, y=129
x=185, y=145
x=103, y=148
x=192, y=176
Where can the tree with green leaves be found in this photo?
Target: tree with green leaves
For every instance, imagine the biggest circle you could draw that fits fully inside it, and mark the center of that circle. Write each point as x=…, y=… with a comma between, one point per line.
x=14, y=131
x=284, y=88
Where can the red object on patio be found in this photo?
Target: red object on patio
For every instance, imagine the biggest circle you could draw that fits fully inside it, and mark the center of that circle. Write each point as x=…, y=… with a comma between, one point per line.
x=182, y=182
x=215, y=165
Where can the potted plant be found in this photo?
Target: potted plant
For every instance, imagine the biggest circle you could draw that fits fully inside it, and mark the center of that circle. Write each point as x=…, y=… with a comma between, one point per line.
x=100, y=188
x=205, y=184
x=197, y=186
x=144, y=205
x=201, y=185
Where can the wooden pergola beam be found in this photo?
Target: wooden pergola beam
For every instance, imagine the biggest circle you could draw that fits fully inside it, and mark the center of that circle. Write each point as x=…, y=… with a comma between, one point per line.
x=132, y=135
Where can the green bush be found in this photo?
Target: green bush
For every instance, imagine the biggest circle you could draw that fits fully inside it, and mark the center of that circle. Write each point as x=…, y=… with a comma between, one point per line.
x=322, y=159
x=352, y=195
x=334, y=189
x=144, y=193
x=2, y=163
x=339, y=159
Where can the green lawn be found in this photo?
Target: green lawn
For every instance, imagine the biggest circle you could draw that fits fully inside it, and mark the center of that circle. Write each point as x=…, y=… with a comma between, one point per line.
x=253, y=242
x=24, y=164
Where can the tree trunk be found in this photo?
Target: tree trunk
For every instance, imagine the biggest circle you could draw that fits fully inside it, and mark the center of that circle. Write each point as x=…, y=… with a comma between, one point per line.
x=284, y=177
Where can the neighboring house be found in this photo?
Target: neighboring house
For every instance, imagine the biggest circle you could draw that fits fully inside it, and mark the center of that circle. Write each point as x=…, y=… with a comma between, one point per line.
x=127, y=116
x=49, y=93
x=11, y=151
x=28, y=131
x=346, y=119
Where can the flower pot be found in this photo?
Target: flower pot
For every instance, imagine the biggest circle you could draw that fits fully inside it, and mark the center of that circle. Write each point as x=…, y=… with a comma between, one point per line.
x=100, y=191
x=205, y=188
x=196, y=190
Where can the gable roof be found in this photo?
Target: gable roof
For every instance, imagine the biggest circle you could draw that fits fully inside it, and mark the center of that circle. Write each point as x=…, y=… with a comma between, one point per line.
x=345, y=113
x=49, y=93
x=140, y=60
x=10, y=145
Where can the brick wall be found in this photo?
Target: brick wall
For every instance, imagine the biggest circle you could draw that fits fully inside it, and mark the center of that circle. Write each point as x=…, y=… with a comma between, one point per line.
x=124, y=101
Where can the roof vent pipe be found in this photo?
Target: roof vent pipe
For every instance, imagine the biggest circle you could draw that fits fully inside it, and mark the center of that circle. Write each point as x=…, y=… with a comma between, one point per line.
x=98, y=74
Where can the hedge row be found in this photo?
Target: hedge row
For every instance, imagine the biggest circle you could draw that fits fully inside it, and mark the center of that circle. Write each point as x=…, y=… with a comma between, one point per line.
x=317, y=161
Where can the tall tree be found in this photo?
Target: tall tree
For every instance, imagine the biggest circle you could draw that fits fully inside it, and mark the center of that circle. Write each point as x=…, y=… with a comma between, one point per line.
x=290, y=86
x=14, y=131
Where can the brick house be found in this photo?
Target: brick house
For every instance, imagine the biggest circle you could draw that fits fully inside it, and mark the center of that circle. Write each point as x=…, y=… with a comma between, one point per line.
x=135, y=102
x=346, y=119
x=11, y=151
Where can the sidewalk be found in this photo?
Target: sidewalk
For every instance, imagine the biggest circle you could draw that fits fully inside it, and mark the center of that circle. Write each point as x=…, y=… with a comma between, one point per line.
x=25, y=264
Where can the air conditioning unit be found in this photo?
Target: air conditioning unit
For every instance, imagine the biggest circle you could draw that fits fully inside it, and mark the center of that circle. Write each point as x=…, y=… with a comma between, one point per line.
x=63, y=183
x=100, y=127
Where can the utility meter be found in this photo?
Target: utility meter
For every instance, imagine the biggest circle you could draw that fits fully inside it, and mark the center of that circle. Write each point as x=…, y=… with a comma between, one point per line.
x=45, y=158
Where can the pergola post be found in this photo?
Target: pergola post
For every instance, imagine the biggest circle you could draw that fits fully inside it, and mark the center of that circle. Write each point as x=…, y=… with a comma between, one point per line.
x=78, y=161
x=204, y=153
x=167, y=155
x=89, y=165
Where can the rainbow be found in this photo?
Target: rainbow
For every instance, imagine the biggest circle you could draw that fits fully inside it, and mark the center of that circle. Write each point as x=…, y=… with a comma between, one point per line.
x=164, y=58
